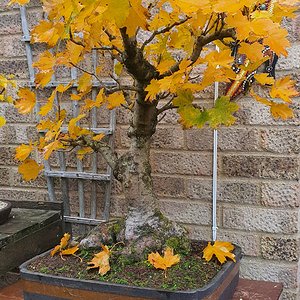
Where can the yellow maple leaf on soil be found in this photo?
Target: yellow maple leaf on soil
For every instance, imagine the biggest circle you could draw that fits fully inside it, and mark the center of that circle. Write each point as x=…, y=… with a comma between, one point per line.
x=164, y=262
x=101, y=261
x=220, y=249
x=29, y=169
x=62, y=247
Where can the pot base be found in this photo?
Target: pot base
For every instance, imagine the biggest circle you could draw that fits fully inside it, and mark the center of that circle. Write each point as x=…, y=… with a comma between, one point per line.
x=40, y=286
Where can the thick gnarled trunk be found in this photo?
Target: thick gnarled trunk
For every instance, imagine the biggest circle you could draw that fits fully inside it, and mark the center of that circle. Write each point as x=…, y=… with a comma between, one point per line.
x=145, y=227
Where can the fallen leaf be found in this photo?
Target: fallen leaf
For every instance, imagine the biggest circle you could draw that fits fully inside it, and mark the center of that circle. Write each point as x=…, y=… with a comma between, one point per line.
x=101, y=261
x=220, y=249
x=167, y=261
x=62, y=247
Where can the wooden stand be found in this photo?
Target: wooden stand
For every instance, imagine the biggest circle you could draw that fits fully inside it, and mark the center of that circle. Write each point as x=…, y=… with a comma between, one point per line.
x=33, y=227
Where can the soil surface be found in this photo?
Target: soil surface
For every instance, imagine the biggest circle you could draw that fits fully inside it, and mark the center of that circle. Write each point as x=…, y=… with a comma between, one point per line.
x=190, y=273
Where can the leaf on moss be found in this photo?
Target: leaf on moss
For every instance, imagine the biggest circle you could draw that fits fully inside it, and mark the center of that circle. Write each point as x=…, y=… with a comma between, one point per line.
x=163, y=262
x=101, y=261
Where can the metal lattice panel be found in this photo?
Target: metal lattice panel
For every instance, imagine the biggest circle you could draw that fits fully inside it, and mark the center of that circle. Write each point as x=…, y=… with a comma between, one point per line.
x=79, y=174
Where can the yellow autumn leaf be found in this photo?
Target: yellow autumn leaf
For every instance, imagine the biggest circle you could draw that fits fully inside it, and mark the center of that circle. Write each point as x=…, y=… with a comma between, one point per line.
x=70, y=251
x=115, y=100
x=277, y=40
x=63, y=244
x=47, y=150
x=137, y=17
x=85, y=83
x=26, y=101
x=222, y=58
x=74, y=52
x=74, y=130
x=43, y=78
x=20, y=2
x=220, y=249
x=253, y=51
x=29, y=169
x=62, y=248
x=117, y=10
x=284, y=88
x=2, y=121
x=118, y=68
x=260, y=99
x=264, y=78
x=152, y=89
x=101, y=261
x=281, y=111
x=45, y=62
x=47, y=32
x=163, y=262
x=98, y=137
x=46, y=108
x=23, y=151
x=83, y=151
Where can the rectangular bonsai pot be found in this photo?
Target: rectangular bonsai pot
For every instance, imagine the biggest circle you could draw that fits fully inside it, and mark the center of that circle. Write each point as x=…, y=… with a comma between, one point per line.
x=39, y=286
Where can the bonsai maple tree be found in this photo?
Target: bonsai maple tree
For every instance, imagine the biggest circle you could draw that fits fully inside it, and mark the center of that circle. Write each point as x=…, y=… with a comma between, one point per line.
x=159, y=47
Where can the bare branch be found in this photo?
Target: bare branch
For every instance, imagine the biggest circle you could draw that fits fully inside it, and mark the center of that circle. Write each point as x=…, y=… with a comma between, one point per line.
x=163, y=30
x=106, y=48
x=87, y=72
x=167, y=106
x=123, y=88
x=104, y=149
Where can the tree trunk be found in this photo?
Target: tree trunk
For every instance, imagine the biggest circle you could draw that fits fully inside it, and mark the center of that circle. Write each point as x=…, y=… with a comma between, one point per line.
x=145, y=226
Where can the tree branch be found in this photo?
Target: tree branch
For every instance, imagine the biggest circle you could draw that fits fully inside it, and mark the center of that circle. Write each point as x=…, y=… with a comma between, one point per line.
x=139, y=67
x=163, y=30
x=104, y=149
x=201, y=41
x=85, y=71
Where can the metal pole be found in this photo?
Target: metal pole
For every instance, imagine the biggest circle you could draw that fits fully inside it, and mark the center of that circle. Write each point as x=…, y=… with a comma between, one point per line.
x=215, y=172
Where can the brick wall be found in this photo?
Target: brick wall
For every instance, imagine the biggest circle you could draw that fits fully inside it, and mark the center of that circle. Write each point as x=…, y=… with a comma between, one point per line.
x=258, y=165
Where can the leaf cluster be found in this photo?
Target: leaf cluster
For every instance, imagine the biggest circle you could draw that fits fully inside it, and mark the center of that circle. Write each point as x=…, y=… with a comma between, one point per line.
x=163, y=58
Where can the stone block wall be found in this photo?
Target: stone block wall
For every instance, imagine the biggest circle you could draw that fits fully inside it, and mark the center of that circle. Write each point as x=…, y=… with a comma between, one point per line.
x=258, y=167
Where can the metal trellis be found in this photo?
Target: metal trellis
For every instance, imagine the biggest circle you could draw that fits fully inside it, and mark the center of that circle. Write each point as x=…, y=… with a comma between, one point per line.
x=80, y=174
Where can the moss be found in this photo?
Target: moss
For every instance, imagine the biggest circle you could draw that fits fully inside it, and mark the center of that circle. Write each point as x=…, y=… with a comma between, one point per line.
x=180, y=244
x=116, y=228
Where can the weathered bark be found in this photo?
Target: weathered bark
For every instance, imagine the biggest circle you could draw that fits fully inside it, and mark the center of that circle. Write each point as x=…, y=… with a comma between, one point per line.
x=134, y=171
x=144, y=228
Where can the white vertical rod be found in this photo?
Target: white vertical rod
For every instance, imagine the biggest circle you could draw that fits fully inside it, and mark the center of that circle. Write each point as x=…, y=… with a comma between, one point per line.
x=215, y=172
